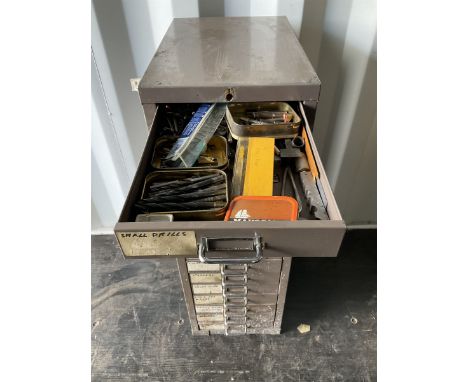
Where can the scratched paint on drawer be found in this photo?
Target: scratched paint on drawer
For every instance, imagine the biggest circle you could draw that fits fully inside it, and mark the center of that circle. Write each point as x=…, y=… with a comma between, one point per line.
x=208, y=299
x=206, y=277
x=166, y=243
x=207, y=289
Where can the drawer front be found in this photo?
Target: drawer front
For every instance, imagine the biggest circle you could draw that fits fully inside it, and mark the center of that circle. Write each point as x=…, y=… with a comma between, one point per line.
x=262, y=278
x=217, y=326
x=193, y=265
x=257, y=316
x=260, y=319
x=210, y=317
x=207, y=288
x=302, y=238
x=253, y=319
x=212, y=299
x=217, y=298
x=234, y=297
x=268, y=265
x=205, y=277
x=254, y=299
x=209, y=309
x=253, y=309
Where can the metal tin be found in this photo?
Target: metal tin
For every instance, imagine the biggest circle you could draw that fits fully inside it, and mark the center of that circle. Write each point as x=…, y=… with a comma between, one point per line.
x=211, y=214
x=238, y=129
x=154, y=217
x=253, y=208
x=217, y=148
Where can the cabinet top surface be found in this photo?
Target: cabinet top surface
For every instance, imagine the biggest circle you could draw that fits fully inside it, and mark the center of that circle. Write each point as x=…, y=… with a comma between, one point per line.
x=220, y=52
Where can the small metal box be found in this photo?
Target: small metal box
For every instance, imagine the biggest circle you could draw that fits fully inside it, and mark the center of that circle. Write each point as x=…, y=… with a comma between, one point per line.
x=239, y=59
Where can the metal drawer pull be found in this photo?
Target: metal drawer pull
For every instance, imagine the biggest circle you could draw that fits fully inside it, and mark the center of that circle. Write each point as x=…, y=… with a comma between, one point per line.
x=256, y=247
x=236, y=311
x=234, y=268
x=239, y=282
x=234, y=272
x=230, y=293
x=236, y=301
x=235, y=320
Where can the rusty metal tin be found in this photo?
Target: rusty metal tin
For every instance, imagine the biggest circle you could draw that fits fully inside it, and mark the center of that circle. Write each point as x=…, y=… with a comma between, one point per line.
x=216, y=148
x=210, y=214
x=236, y=111
x=154, y=217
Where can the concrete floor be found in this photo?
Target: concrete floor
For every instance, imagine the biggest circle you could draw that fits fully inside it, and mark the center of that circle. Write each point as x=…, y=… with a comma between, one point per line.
x=140, y=329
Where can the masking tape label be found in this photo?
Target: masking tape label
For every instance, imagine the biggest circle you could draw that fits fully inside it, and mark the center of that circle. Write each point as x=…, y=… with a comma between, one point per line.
x=165, y=243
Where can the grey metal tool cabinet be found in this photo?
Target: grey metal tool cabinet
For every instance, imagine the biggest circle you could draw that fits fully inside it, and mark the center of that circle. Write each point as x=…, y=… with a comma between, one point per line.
x=239, y=59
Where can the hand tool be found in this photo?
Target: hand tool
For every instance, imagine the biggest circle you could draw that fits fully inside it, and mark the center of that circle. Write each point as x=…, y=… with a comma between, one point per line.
x=311, y=191
x=310, y=155
x=287, y=171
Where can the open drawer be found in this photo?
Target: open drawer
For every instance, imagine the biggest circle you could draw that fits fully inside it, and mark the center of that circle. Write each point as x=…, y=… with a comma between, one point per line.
x=301, y=238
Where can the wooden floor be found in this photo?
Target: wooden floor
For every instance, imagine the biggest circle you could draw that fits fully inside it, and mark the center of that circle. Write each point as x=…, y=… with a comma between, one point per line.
x=140, y=330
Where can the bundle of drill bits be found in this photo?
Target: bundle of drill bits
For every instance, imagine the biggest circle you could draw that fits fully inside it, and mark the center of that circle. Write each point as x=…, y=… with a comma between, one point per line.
x=186, y=194
x=175, y=118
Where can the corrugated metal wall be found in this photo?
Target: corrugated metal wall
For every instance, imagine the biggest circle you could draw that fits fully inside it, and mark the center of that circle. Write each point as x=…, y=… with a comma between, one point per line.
x=339, y=36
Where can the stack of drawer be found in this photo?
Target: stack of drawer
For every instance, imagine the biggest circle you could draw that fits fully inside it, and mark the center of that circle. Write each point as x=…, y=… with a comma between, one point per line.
x=235, y=298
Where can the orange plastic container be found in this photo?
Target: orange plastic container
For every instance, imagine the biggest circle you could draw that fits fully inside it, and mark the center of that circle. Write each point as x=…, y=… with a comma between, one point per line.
x=252, y=208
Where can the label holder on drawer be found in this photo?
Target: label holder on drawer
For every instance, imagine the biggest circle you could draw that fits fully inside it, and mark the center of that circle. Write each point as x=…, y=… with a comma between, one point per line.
x=155, y=244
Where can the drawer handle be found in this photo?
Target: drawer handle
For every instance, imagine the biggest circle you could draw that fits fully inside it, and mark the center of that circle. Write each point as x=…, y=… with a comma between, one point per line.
x=256, y=247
